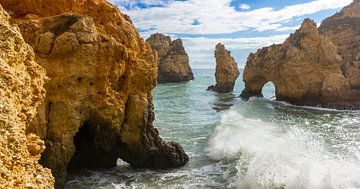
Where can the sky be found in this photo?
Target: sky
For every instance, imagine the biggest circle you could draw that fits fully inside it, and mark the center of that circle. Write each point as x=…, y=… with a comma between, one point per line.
x=242, y=25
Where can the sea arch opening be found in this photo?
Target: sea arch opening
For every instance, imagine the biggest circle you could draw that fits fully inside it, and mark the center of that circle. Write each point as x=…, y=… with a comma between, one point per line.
x=269, y=90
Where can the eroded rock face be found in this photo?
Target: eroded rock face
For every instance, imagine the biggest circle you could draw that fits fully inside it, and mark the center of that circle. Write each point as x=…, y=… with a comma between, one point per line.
x=99, y=105
x=173, y=61
x=344, y=30
x=305, y=69
x=21, y=92
x=226, y=70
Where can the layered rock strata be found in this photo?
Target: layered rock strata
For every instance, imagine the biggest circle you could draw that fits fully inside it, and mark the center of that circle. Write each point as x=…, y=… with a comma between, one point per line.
x=305, y=69
x=226, y=70
x=98, y=105
x=21, y=92
x=173, y=61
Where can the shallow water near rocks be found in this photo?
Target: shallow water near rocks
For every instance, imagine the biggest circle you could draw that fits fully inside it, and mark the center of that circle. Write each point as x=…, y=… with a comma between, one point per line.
x=248, y=145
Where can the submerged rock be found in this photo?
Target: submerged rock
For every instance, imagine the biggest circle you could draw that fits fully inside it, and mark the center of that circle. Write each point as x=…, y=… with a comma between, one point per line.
x=98, y=105
x=173, y=61
x=305, y=69
x=226, y=70
x=21, y=92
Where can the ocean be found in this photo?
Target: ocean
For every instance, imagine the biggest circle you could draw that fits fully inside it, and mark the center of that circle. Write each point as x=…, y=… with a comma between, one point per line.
x=255, y=144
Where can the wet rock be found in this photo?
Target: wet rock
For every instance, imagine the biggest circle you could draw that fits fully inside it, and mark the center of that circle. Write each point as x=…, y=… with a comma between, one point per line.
x=226, y=70
x=173, y=61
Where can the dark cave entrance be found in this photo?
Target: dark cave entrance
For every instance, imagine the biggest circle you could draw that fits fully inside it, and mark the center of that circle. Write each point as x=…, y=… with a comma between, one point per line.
x=96, y=145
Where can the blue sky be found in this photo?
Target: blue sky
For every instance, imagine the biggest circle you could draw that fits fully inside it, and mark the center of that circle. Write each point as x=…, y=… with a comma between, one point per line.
x=242, y=25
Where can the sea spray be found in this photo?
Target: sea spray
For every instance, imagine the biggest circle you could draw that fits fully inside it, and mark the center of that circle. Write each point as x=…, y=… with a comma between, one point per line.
x=269, y=156
x=313, y=147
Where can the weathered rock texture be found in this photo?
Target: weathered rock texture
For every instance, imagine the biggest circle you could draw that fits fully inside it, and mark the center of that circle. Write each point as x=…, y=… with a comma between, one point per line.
x=344, y=30
x=173, y=61
x=99, y=105
x=21, y=92
x=305, y=69
x=226, y=70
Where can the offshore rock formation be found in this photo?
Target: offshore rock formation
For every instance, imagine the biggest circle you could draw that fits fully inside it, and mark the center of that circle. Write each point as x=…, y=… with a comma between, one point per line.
x=98, y=105
x=305, y=69
x=226, y=70
x=173, y=61
x=344, y=30
x=21, y=92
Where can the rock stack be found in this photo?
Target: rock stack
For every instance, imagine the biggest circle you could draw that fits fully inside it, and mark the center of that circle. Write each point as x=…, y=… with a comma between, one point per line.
x=173, y=61
x=226, y=70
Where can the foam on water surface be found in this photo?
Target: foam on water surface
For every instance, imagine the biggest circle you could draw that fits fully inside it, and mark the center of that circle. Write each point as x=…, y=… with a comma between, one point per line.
x=258, y=144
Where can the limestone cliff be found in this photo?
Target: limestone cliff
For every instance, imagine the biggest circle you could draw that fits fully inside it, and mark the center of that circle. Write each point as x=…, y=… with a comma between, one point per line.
x=98, y=105
x=21, y=92
x=305, y=69
x=344, y=30
x=226, y=70
x=173, y=61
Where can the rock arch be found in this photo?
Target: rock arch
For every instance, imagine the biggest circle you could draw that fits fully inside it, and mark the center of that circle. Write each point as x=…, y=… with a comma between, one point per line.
x=305, y=69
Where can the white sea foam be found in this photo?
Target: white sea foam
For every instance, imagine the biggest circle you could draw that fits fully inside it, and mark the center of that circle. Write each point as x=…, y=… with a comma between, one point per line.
x=269, y=156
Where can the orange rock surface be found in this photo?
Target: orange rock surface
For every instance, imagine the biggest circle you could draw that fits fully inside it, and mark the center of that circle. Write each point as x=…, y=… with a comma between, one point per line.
x=226, y=70
x=173, y=61
x=98, y=105
x=21, y=92
x=305, y=69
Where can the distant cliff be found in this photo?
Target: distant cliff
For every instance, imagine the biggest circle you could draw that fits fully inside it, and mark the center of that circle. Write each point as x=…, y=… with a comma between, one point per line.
x=226, y=70
x=173, y=61
x=98, y=105
x=306, y=70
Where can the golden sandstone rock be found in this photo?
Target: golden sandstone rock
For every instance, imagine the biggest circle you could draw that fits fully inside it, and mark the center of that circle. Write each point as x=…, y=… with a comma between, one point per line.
x=306, y=70
x=226, y=70
x=98, y=105
x=344, y=31
x=21, y=92
x=173, y=61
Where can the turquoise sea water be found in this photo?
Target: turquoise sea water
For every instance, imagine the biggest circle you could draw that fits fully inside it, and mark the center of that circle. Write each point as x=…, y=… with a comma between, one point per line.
x=231, y=143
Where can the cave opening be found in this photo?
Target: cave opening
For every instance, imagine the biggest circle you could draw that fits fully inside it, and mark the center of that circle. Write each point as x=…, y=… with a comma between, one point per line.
x=96, y=146
x=269, y=90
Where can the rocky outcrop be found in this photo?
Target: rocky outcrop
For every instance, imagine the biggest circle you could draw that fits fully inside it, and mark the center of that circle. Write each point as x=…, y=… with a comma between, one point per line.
x=21, y=92
x=173, y=61
x=226, y=70
x=344, y=31
x=305, y=69
x=98, y=105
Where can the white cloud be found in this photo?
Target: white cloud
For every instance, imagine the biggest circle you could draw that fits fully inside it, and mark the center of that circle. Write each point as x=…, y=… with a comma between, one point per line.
x=201, y=49
x=218, y=17
x=244, y=6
